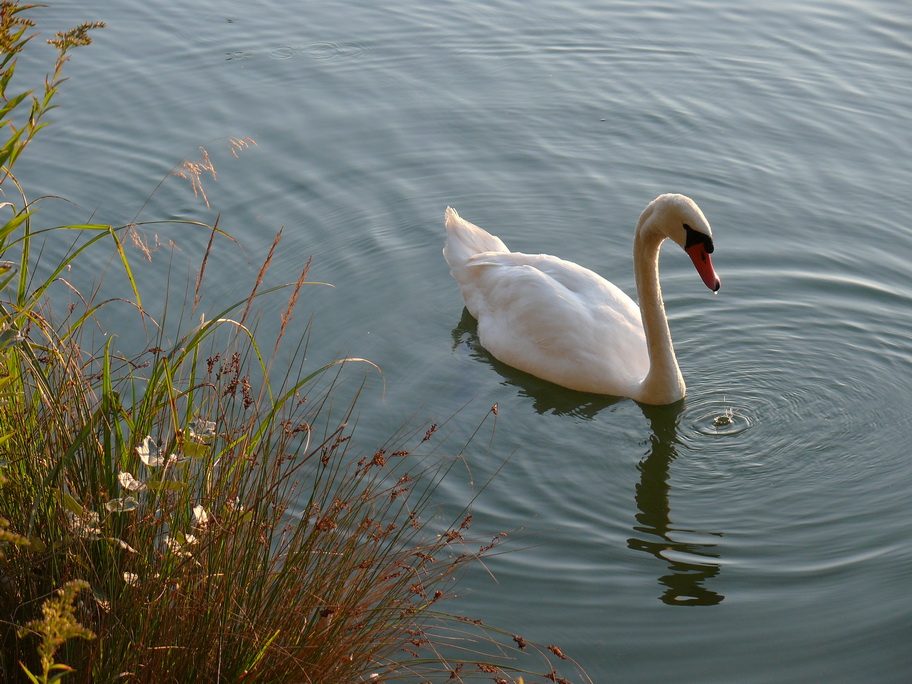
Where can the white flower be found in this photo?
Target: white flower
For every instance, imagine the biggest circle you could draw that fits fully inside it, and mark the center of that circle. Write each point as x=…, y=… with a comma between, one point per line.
x=86, y=525
x=122, y=544
x=149, y=453
x=9, y=335
x=178, y=543
x=202, y=429
x=130, y=483
x=131, y=578
x=152, y=456
x=200, y=515
x=122, y=505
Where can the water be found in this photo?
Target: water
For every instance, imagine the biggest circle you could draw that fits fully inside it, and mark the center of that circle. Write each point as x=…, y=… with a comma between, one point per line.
x=759, y=531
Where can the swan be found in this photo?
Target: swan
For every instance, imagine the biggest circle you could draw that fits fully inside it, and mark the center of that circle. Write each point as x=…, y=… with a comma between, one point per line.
x=566, y=324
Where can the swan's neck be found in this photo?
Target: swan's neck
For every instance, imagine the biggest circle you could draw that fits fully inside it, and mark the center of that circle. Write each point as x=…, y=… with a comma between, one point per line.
x=663, y=383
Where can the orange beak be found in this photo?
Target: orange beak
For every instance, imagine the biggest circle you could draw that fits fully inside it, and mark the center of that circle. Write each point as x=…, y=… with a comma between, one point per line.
x=701, y=261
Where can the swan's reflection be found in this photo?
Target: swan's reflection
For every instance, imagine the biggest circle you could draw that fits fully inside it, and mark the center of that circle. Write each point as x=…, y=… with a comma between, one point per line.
x=654, y=531
x=684, y=583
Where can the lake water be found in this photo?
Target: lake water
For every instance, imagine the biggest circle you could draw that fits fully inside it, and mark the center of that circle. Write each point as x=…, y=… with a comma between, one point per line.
x=757, y=532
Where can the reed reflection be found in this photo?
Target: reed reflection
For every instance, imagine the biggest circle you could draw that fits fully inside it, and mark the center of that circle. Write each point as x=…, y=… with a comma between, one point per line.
x=689, y=564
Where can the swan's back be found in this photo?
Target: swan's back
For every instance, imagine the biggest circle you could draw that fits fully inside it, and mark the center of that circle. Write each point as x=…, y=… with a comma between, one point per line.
x=465, y=239
x=548, y=317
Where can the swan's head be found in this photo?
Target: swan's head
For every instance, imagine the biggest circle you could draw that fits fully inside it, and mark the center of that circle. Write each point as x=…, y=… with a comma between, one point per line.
x=679, y=219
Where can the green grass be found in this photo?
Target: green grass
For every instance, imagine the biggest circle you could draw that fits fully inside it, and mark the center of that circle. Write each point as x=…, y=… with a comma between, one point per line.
x=189, y=514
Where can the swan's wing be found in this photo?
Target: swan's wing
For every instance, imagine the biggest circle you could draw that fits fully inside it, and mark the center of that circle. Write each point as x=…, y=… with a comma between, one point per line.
x=556, y=320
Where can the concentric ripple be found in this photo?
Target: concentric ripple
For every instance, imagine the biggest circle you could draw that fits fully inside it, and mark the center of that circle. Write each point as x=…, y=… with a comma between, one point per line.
x=322, y=51
x=719, y=418
x=334, y=52
x=801, y=379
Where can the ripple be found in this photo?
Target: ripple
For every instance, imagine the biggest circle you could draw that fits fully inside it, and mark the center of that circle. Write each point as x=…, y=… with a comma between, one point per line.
x=283, y=52
x=320, y=52
x=334, y=52
x=803, y=383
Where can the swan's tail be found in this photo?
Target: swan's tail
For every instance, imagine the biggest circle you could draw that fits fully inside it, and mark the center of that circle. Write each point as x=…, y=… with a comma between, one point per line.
x=465, y=240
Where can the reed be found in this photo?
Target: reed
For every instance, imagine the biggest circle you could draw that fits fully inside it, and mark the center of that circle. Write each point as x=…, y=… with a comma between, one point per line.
x=187, y=514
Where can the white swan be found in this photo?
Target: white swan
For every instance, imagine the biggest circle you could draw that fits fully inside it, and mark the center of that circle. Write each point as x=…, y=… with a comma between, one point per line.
x=563, y=323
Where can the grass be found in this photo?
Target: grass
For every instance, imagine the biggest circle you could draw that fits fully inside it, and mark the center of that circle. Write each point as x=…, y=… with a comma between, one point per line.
x=188, y=514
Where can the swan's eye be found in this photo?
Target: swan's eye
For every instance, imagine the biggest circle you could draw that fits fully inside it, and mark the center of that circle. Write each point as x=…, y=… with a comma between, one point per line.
x=695, y=237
